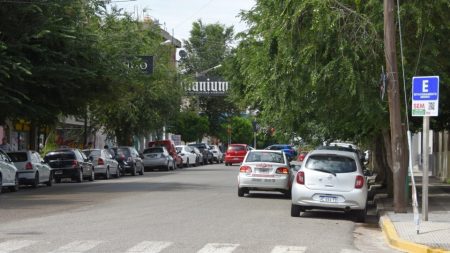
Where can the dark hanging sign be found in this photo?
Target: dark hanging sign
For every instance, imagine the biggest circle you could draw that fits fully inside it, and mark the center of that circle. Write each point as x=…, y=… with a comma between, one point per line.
x=145, y=64
x=207, y=86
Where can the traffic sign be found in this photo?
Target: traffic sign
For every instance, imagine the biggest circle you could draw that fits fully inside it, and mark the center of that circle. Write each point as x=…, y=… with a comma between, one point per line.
x=425, y=96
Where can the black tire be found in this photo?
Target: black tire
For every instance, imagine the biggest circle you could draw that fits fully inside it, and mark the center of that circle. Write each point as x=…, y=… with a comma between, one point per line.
x=361, y=215
x=58, y=180
x=50, y=180
x=141, y=172
x=187, y=163
x=241, y=192
x=16, y=184
x=287, y=194
x=107, y=175
x=133, y=173
x=295, y=210
x=92, y=177
x=35, y=183
x=1, y=180
x=80, y=176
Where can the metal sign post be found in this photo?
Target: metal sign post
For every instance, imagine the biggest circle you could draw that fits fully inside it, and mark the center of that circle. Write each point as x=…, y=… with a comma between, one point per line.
x=425, y=101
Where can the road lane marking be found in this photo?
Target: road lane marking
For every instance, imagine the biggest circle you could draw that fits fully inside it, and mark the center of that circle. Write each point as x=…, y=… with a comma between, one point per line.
x=149, y=247
x=11, y=245
x=78, y=246
x=290, y=249
x=350, y=251
x=218, y=248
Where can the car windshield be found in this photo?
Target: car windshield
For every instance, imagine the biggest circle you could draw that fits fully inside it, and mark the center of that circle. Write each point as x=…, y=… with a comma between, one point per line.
x=59, y=156
x=270, y=157
x=331, y=163
x=153, y=150
x=236, y=148
x=18, y=156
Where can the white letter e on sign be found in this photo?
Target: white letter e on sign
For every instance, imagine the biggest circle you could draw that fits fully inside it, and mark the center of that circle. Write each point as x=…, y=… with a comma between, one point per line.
x=425, y=86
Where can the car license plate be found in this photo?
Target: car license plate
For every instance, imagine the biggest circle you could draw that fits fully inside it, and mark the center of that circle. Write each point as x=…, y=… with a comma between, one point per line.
x=58, y=172
x=261, y=170
x=256, y=179
x=236, y=158
x=330, y=199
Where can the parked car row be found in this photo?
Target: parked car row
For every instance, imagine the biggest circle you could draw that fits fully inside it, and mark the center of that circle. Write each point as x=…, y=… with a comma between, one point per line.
x=27, y=167
x=328, y=178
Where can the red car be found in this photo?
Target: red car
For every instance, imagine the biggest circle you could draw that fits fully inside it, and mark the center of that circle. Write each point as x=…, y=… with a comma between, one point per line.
x=170, y=146
x=301, y=156
x=236, y=153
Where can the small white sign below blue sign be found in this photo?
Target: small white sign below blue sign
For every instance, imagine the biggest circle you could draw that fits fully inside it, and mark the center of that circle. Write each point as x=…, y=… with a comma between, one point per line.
x=425, y=95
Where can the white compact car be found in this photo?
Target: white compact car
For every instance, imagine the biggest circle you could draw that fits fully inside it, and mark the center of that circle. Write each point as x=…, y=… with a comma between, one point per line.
x=8, y=173
x=330, y=180
x=217, y=154
x=187, y=154
x=31, y=168
x=103, y=162
x=264, y=170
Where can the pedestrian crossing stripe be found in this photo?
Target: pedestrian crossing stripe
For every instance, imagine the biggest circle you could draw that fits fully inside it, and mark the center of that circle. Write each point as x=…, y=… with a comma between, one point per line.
x=81, y=246
x=149, y=247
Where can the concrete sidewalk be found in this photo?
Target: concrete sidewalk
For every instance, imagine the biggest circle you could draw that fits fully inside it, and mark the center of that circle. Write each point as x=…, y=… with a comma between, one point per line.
x=434, y=234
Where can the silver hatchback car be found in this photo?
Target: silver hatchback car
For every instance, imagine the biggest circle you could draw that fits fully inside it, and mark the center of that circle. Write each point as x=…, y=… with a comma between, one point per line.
x=330, y=180
x=264, y=170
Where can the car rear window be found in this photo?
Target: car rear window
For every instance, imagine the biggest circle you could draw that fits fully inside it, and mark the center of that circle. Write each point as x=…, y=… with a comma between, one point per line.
x=18, y=156
x=268, y=157
x=94, y=153
x=332, y=163
x=59, y=156
x=236, y=148
x=123, y=151
x=153, y=150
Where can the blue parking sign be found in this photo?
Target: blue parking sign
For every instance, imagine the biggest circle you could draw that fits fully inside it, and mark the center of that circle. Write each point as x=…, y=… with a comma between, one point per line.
x=425, y=96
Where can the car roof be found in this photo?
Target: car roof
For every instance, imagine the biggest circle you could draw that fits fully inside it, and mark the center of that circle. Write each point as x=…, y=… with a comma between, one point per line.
x=265, y=151
x=236, y=144
x=338, y=148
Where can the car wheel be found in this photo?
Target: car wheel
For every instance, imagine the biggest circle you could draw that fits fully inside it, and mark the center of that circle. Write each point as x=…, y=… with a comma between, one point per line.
x=287, y=194
x=187, y=163
x=92, y=177
x=241, y=192
x=141, y=172
x=361, y=215
x=133, y=173
x=80, y=176
x=50, y=180
x=1, y=181
x=16, y=184
x=295, y=210
x=107, y=174
x=36, y=180
x=58, y=180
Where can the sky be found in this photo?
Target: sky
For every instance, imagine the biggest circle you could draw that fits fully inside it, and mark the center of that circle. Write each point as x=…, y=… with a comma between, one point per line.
x=177, y=16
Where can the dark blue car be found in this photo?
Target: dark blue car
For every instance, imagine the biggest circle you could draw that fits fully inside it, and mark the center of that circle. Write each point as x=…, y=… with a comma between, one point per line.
x=287, y=149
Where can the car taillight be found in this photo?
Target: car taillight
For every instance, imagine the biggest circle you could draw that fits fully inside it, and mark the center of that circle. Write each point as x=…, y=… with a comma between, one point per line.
x=301, y=157
x=245, y=169
x=282, y=170
x=300, y=177
x=359, y=182
x=74, y=164
x=100, y=161
x=28, y=166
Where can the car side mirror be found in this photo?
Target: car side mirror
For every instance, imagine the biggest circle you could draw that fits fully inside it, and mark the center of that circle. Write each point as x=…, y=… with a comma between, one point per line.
x=367, y=173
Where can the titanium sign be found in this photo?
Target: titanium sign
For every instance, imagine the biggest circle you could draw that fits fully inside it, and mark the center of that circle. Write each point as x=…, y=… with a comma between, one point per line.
x=425, y=96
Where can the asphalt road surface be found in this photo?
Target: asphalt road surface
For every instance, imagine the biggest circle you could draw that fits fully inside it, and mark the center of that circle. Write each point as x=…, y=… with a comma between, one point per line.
x=189, y=210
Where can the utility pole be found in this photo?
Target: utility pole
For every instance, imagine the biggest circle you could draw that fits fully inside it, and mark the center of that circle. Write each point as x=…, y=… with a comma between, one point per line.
x=397, y=144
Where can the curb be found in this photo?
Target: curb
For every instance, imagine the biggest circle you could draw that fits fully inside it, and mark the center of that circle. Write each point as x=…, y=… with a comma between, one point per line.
x=396, y=242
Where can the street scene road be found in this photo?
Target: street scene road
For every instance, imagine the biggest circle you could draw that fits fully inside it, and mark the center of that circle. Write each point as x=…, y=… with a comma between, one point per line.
x=193, y=209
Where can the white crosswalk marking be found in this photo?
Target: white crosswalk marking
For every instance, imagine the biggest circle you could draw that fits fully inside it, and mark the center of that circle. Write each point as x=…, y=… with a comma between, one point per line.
x=218, y=248
x=350, y=251
x=290, y=249
x=77, y=246
x=11, y=245
x=149, y=247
